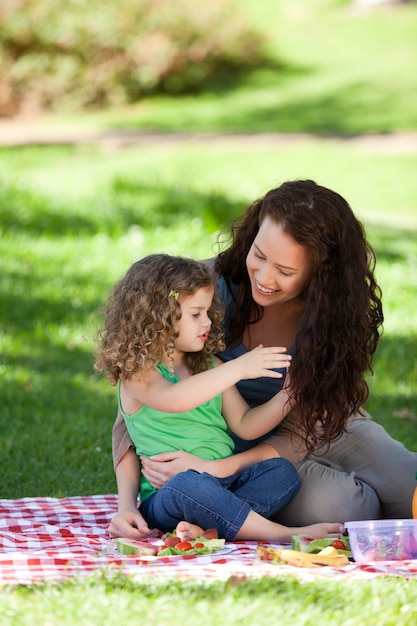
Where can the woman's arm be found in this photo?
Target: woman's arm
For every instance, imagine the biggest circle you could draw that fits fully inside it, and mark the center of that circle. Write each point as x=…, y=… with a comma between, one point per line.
x=121, y=441
x=242, y=460
x=160, y=468
x=289, y=440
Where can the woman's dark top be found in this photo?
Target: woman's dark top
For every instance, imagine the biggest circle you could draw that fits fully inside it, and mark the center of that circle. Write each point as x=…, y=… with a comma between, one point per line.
x=255, y=391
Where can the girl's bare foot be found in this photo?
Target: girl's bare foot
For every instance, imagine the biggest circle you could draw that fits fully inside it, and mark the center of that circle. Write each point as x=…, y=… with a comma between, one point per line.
x=324, y=529
x=186, y=531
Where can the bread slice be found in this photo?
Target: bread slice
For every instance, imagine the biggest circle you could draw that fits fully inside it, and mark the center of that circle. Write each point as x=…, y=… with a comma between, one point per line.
x=302, y=559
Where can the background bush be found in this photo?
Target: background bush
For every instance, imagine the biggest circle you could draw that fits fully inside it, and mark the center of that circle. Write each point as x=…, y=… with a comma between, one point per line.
x=84, y=53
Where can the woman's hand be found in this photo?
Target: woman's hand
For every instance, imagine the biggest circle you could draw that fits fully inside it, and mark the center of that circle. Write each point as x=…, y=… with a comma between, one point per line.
x=130, y=524
x=160, y=468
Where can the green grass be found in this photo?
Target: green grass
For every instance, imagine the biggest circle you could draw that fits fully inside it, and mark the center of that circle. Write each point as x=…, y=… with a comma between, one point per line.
x=336, y=71
x=283, y=600
x=72, y=220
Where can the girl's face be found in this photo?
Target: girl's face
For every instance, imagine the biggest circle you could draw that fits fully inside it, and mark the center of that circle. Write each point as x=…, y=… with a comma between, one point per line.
x=278, y=267
x=195, y=323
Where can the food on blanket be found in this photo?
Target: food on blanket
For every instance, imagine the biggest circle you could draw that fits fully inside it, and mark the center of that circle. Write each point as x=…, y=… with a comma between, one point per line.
x=306, y=543
x=302, y=559
x=211, y=533
x=183, y=546
x=383, y=540
x=201, y=545
x=171, y=540
x=141, y=548
x=172, y=545
x=329, y=551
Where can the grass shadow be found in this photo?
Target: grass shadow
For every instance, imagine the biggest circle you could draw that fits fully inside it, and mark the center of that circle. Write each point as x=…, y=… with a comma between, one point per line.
x=390, y=404
x=392, y=245
x=284, y=105
x=123, y=204
x=343, y=112
x=56, y=425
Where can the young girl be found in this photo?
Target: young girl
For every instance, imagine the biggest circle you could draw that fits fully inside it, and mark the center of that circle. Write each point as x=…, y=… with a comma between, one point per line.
x=160, y=332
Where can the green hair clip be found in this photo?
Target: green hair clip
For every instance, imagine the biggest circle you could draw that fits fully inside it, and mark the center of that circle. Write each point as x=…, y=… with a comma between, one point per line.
x=173, y=294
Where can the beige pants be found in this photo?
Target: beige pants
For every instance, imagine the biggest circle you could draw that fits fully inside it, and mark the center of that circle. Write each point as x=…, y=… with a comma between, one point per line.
x=366, y=474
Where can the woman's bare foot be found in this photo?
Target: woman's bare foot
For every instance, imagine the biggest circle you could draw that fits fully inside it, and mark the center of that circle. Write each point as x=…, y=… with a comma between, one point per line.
x=186, y=531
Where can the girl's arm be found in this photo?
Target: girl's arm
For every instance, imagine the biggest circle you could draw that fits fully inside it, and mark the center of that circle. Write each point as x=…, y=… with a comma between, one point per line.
x=250, y=423
x=128, y=522
x=195, y=390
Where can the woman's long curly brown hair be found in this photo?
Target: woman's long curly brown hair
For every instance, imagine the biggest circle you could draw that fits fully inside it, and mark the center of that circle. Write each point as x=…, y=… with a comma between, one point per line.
x=142, y=314
x=342, y=314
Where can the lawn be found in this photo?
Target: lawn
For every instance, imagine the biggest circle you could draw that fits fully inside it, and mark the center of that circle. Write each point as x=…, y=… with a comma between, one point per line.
x=282, y=600
x=73, y=218
x=335, y=70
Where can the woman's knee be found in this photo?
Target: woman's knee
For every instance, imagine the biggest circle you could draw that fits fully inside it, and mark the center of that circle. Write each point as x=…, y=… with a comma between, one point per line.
x=327, y=495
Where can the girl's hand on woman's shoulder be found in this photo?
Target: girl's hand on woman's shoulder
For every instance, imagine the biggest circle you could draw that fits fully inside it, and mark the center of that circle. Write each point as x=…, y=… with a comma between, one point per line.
x=263, y=362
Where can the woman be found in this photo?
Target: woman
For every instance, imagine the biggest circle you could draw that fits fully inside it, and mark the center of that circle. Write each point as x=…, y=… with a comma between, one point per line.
x=299, y=273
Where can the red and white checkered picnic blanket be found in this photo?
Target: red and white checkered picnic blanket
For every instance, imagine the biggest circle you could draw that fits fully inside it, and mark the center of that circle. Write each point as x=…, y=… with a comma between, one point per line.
x=46, y=539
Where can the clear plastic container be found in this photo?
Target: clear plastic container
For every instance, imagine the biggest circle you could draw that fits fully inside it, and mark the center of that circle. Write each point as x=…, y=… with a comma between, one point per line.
x=383, y=540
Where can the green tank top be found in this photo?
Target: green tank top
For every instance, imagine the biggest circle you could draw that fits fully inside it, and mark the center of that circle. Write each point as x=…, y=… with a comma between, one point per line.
x=201, y=431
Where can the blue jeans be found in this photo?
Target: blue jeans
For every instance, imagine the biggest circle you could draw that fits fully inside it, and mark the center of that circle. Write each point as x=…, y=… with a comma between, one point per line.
x=222, y=503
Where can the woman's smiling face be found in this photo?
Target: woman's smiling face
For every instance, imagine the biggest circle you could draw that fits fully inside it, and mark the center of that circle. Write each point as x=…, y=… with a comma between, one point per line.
x=278, y=267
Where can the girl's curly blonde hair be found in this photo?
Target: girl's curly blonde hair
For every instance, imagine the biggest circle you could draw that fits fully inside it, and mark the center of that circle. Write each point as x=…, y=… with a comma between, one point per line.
x=142, y=313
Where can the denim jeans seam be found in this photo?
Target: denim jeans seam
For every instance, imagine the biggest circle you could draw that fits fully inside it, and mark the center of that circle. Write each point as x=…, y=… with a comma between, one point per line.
x=231, y=526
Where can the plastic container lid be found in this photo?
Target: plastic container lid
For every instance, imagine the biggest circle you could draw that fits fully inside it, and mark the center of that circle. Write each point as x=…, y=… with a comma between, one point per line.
x=381, y=523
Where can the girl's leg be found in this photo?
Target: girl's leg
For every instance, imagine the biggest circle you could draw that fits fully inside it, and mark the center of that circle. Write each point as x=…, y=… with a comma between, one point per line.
x=257, y=528
x=267, y=486
x=204, y=500
x=199, y=499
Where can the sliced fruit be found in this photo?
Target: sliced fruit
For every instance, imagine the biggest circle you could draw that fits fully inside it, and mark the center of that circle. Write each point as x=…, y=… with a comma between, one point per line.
x=171, y=541
x=183, y=546
x=130, y=546
x=211, y=533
